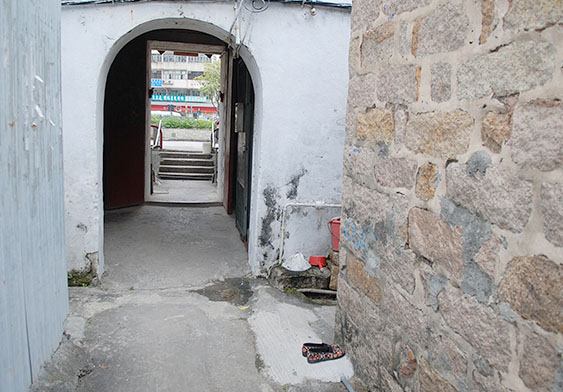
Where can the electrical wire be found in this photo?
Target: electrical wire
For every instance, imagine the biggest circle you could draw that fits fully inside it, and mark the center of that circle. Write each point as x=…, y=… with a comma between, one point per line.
x=257, y=6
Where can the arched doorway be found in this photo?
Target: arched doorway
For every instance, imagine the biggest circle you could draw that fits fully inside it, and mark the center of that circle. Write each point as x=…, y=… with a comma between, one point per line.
x=126, y=166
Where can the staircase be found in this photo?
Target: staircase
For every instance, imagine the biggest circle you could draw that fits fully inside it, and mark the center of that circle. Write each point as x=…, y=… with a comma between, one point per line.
x=180, y=165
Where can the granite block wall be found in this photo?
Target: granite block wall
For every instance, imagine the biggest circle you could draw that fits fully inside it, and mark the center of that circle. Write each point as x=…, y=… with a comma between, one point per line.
x=452, y=234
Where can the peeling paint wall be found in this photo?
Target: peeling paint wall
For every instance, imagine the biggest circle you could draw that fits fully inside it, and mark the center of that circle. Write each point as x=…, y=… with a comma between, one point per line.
x=298, y=63
x=33, y=291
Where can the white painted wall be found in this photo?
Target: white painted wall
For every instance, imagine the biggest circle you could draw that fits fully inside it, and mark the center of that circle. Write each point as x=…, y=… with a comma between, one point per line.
x=33, y=288
x=298, y=63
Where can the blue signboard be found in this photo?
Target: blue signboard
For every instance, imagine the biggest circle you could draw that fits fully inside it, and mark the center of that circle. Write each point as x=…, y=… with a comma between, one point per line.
x=177, y=98
x=156, y=82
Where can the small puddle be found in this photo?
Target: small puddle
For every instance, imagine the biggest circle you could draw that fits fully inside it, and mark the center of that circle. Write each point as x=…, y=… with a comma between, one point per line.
x=236, y=291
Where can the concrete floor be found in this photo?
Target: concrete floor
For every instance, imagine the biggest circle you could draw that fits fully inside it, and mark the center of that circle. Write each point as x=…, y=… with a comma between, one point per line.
x=185, y=191
x=178, y=311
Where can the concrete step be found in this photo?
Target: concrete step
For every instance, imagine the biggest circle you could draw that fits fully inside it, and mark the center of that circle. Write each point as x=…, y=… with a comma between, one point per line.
x=185, y=169
x=183, y=155
x=185, y=176
x=186, y=162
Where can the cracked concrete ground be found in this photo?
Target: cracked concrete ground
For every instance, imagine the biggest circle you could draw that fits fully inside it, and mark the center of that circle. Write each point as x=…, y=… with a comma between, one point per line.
x=178, y=311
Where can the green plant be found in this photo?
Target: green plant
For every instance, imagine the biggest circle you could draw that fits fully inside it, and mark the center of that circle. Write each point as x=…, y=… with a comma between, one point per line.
x=186, y=123
x=211, y=80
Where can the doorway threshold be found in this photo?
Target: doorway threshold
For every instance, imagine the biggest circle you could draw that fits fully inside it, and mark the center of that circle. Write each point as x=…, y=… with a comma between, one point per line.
x=184, y=203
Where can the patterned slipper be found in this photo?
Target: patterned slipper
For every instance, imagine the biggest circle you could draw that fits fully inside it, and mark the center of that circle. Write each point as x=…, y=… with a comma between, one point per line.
x=307, y=346
x=332, y=351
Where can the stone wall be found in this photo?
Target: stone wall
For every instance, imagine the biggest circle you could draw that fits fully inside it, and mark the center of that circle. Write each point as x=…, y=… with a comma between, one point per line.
x=452, y=237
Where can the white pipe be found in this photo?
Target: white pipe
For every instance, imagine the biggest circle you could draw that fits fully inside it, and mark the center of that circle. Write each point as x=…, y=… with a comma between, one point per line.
x=317, y=291
x=317, y=204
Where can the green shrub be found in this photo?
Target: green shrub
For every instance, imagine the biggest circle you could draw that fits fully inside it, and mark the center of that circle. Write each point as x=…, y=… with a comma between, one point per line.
x=186, y=123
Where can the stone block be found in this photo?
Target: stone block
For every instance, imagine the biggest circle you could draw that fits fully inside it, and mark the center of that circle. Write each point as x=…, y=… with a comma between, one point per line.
x=364, y=12
x=389, y=383
x=496, y=130
x=406, y=321
x=482, y=365
x=404, y=39
x=446, y=357
x=396, y=7
x=443, y=30
x=377, y=43
x=395, y=172
x=334, y=270
x=478, y=325
x=440, y=84
x=514, y=68
x=435, y=284
x=488, y=256
x=478, y=163
x=475, y=231
x=440, y=134
x=400, y=127
x=347, y=191
x=539, y=364
x=552, y=210
x=533, y=14
x=399, y=265
x=533, y=286
x=361, y=92
x=351, y=302
x=431, y=381
x=312, y=278
x=477, y=282
x=488, y=17
x=376, y=125
x=369, y=286
x=537, y=135
x=427, y=181
x=359, y=163
x=433, y=239
x=488, y=383
x=398, y=84
x=354, y=55
x=371, y=206
x=499, y=195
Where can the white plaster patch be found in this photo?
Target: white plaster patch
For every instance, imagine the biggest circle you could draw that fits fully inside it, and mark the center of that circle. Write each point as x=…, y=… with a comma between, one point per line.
x=281, y=330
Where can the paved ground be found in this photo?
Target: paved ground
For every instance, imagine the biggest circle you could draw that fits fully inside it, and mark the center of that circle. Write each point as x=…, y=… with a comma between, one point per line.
x=185, y=191
x=178, y=311
x=178, y=145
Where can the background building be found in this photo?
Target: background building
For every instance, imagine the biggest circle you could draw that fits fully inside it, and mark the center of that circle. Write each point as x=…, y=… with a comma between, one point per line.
x=175, y=88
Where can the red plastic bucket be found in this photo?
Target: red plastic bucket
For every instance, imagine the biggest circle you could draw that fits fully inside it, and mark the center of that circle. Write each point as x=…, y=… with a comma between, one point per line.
x=335, y=233
x=319, y=261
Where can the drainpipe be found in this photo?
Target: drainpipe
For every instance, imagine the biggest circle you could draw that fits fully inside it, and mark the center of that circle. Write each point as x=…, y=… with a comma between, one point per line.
x=317, y=204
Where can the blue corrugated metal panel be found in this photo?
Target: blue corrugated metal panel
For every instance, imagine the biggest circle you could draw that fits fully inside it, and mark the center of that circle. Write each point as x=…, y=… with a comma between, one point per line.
x=33, y=292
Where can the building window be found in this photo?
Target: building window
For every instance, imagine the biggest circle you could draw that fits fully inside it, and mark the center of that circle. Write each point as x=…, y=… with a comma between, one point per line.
x=200, y=58
x=172, y=58
x=194, y=74
x=175, y=75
